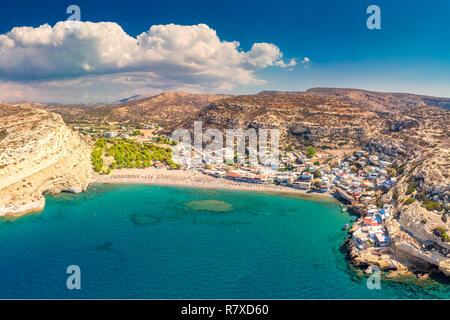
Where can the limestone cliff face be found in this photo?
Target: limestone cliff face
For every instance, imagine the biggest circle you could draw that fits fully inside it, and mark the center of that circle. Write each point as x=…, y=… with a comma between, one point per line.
x=414, y=251
x=38, y=154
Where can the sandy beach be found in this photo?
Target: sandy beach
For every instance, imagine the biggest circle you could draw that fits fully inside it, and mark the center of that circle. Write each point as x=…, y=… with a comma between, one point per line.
x=193, y=179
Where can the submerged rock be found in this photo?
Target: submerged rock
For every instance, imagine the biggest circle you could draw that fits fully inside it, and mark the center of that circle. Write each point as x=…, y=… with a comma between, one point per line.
x=209, y=205
x=141, y=219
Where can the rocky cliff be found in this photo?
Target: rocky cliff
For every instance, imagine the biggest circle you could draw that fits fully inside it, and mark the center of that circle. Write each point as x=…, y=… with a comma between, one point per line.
x=38, y=154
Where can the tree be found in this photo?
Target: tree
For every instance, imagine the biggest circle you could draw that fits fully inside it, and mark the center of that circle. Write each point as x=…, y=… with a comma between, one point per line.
x=379, y=203
x=395, y=194
x=317, y=184
x=317, y=174
x=310, y=152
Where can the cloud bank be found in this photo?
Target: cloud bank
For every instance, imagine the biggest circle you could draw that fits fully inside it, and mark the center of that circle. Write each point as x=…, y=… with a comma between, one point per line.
x=100, y=58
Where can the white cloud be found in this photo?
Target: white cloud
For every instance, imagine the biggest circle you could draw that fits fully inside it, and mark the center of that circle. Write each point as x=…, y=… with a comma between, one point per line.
x=306, y=62
x=164, y=57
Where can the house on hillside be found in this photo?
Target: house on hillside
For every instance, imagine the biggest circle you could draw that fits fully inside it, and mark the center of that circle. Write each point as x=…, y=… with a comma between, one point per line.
x=110, y=134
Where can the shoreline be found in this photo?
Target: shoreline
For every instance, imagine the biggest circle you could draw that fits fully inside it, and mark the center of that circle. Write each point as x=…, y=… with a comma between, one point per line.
x=190, y=179
x=180, y=178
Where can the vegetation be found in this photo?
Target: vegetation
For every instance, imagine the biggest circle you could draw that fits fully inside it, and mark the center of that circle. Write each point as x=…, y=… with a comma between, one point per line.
x=424, y=221
x=442, y=233
x=136, y=133
x=411, y=188
x=317, y=174
x=413, y=184
x=409, y=201
x=431, y=206
x=165, y=140
x=379, y=203
x=97, y=160
x=128, y=153
x=131, y=154
x=310, y=152
x=96, y=157
x=289, y=167
x=395, y=194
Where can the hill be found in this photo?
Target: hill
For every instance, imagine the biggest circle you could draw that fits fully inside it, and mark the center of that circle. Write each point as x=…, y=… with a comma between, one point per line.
x=164, y=108
x=38, y=154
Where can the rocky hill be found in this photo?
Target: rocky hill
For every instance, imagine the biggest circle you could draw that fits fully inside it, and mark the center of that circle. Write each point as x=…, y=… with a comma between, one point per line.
x=381, y=100
x=166, y=108
x=302, y=119
x=38, y=154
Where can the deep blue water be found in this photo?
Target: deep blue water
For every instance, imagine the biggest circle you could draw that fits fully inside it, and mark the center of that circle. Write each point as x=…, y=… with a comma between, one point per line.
x=144, y=242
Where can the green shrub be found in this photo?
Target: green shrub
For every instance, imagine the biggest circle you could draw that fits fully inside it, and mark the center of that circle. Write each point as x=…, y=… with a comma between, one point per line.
x=166, y=140
x=100, y=143
x=431, y=206
x=128, y=153
x=442, y=233
x=411, y=188
x=310, y=152
x=379, y=203
x=409, y=201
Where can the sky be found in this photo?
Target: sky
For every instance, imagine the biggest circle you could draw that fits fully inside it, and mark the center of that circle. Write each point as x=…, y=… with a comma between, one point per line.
x=126, y=48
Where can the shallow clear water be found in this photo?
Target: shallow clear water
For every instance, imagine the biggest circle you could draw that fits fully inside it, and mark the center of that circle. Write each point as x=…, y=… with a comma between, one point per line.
x=149, y=242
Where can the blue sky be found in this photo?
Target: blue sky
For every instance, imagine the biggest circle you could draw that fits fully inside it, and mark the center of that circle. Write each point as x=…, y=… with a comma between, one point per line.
x=411, y=52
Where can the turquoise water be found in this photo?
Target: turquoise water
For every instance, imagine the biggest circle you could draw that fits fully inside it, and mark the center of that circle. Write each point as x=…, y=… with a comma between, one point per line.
x=148, y=242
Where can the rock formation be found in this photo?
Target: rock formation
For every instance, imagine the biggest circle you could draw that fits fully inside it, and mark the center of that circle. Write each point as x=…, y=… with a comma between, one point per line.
x=38, y=154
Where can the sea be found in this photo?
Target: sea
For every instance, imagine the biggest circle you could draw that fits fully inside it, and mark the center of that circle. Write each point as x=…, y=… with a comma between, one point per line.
x=167, y=242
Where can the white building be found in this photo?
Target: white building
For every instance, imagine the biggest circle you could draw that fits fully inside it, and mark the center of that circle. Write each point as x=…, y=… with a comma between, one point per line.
x=110, y=134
